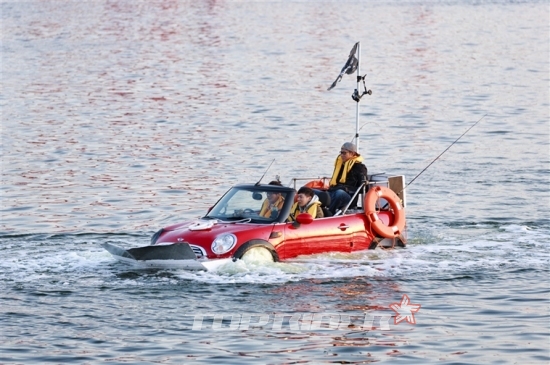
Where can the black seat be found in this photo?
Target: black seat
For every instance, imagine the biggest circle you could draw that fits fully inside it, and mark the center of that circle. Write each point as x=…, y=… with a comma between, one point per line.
x=353, y=204
x=324, y=198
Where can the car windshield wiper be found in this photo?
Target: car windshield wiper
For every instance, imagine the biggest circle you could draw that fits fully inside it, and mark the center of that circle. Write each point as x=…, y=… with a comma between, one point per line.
x=230, y=219
x=238, y=219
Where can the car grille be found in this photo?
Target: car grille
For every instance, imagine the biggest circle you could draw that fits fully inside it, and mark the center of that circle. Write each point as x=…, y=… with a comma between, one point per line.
x=199, y=252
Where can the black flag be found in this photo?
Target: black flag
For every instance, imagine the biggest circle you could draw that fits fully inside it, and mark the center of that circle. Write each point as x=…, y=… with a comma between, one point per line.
x=349, y=68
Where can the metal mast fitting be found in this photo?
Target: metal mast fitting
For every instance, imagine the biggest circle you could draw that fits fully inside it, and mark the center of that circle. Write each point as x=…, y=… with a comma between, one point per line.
x=354, y=64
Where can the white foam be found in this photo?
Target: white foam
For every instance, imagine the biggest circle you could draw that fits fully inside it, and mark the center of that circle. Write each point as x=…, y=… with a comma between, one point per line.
x=517, y=228
x=451, y=251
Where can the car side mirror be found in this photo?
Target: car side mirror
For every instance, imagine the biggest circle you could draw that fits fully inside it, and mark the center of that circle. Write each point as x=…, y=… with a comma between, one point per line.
x=304, y=218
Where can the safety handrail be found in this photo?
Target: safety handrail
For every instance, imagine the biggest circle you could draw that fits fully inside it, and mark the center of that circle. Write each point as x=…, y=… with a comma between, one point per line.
x=359, y=189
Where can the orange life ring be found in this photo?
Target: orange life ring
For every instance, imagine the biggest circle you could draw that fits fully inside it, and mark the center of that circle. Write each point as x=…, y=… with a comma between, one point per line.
x=379, y=227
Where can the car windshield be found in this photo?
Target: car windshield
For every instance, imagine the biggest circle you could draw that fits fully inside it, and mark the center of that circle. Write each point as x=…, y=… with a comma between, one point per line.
x=261, y=206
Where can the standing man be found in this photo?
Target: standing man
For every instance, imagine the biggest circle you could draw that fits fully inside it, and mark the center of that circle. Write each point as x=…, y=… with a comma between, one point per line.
x=349, y=173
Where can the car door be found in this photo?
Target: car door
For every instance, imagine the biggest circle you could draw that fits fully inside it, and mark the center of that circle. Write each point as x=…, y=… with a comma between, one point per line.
x=323, y=235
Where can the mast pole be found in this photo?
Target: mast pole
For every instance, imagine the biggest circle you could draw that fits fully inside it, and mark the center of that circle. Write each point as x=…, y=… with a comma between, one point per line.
x=357, y=89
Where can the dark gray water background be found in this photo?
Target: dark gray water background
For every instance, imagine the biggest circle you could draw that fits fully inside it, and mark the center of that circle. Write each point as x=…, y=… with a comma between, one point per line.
x=120, y=117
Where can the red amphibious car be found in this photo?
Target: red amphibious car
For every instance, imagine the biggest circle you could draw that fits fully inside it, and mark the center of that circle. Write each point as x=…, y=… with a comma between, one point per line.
x=233, y=227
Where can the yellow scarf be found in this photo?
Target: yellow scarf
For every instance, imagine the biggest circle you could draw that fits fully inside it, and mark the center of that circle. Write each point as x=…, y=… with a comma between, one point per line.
x=266, y=207
x=347, y=166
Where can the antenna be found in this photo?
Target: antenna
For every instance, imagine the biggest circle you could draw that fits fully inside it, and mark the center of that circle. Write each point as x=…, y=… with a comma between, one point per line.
x=258, y=183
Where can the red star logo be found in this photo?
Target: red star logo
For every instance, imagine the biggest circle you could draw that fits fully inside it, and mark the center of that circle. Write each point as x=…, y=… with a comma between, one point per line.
x=405, y=310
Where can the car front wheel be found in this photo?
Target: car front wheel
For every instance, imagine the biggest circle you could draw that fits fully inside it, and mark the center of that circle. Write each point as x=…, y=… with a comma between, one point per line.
x=257, y=249
x=257, y=254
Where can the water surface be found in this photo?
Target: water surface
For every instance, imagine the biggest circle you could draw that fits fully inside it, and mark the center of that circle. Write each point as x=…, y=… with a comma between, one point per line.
x=119, y=118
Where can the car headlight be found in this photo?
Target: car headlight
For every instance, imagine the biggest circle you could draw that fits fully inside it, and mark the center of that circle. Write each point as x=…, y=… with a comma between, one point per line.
x=223, y=243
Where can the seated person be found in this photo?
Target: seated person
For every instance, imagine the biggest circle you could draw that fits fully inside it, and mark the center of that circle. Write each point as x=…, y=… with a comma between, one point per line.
x=273, y=204
x=307, y=202
x=349, y=173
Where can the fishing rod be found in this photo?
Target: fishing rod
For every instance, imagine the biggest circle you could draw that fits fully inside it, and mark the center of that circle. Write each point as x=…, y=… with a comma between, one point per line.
x=359, y=130
x=441, y=154
x=435, y=159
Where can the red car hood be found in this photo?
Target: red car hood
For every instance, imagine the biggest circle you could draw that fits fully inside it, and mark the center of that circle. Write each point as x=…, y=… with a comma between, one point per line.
x=203, y=232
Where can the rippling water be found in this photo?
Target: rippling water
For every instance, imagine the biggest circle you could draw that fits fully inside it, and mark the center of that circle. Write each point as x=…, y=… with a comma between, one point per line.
x=120, y=117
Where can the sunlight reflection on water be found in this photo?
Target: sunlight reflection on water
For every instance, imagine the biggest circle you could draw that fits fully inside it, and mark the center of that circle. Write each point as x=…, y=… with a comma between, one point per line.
x=113, y=122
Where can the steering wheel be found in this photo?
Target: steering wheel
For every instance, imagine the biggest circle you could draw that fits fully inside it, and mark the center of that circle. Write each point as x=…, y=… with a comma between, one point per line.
x=248, y=211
